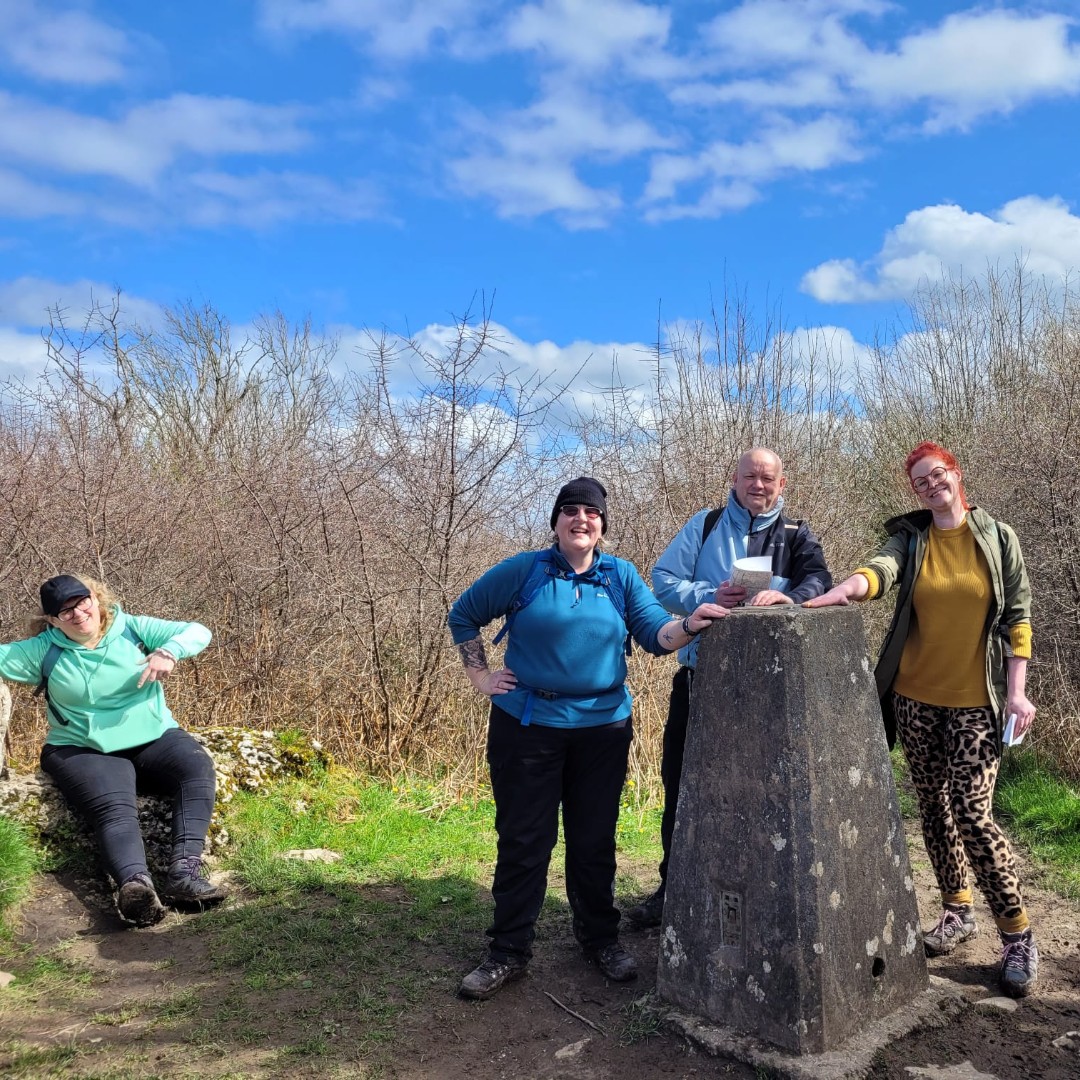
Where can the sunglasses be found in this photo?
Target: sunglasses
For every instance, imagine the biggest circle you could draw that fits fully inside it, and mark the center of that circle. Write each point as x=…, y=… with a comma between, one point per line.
x=571, y=510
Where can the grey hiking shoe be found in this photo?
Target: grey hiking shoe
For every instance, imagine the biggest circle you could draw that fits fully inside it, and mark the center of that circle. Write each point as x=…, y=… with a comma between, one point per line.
x=138, y=903
x=188, y=884
x=614, y=962
x=956, y=925
x=649, y=912
x=490, y=977
x=1019, y=963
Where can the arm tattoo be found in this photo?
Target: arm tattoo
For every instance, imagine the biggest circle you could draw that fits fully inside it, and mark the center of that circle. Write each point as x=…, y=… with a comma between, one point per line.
x=472, y=654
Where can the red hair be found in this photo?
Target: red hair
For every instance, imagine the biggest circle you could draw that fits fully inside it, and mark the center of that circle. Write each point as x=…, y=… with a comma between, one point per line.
x=927, y=449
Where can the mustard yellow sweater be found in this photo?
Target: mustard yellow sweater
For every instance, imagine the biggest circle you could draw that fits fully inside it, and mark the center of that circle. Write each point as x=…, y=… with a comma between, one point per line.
x=944, y=658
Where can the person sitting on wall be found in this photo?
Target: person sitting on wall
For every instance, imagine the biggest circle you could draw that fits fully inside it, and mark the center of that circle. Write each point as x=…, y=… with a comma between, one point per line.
x=696, y=567
x=110, y=731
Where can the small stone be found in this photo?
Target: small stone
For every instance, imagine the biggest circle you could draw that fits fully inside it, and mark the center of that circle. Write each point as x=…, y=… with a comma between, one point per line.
x=312, y=855
x=1069, y=1041
x=964, y=1071
x=572, y=1050
x=1004, y=1004
x=6, y=979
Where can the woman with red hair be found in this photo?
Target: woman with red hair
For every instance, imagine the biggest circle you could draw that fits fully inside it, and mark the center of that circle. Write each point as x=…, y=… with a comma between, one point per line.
x=951, y=670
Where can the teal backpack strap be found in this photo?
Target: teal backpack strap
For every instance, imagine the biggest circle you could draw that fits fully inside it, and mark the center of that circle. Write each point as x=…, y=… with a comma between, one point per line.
x=543, y=567
x=613, y=582
x=54, y=652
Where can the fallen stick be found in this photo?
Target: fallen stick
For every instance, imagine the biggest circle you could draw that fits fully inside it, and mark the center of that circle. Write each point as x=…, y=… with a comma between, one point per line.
x=576, y=1016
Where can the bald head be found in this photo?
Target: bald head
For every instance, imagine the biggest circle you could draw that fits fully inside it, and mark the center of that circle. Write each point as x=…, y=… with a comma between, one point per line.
x=759, y=480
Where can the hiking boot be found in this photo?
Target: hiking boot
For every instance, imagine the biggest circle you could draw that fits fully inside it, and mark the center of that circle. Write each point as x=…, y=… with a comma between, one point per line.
x=956, y=925
x=188, y=884
x=614, y=962
x=138, y=902
x=490, y=977
x=649, y=912
x=1019, y=963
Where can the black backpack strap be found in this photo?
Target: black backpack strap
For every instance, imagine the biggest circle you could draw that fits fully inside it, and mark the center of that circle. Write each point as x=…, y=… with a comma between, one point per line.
x=711, y=518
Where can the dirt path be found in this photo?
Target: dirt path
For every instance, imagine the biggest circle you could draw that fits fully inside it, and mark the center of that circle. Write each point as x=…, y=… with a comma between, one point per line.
x=108, y=1029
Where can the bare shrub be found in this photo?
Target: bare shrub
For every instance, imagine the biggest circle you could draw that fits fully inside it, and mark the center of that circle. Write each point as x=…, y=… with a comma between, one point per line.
x=323, y=523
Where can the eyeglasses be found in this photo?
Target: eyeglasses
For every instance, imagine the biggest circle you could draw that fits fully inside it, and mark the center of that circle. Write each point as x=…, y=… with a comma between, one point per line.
x=68, y=613
x=571, y=510
x=932, y=479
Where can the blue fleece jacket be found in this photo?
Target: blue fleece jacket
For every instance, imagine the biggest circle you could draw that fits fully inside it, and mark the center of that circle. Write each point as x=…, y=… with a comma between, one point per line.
x=568, y=641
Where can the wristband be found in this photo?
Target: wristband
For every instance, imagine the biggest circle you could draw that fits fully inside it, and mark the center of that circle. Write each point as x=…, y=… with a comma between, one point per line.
x=686, y=628
x=165, y=652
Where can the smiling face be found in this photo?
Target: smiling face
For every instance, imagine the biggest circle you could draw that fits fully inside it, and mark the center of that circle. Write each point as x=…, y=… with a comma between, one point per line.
x=758, y=481
x=578, y=533
x=79, y=620
x=936, y=485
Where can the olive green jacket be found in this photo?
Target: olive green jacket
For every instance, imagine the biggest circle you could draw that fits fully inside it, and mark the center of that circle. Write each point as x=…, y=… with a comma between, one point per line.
x=899, y=562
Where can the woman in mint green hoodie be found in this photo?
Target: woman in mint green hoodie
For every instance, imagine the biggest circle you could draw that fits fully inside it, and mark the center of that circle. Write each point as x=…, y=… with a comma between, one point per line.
x=111, y=731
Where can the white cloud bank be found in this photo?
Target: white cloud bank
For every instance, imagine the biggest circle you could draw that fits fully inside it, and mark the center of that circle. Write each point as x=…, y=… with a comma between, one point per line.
x=947, y=240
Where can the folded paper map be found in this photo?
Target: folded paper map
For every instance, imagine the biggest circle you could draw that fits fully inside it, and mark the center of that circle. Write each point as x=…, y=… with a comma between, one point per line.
x=754, y=574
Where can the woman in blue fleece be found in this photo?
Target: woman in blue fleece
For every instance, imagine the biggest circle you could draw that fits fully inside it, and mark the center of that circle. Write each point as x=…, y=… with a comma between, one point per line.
x=561, y=730
x=109, y=730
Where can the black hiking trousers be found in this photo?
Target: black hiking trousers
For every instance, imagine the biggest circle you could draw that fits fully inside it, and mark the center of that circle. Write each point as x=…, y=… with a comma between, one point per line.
x=534, y=770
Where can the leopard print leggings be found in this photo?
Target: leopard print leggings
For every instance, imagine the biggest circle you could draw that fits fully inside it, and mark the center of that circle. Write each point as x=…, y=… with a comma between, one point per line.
x=954, y=756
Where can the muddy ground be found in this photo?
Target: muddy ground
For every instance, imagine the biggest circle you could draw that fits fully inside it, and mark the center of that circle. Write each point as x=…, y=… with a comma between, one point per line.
x=527, y=1032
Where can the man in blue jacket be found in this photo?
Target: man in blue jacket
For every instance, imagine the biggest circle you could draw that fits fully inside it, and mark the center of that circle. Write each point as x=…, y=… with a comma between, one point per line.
x=695, y=568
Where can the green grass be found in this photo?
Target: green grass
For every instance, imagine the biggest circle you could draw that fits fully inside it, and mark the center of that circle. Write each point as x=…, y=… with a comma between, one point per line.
x=905, y=790
x=20, y=1060
x=1042, y=812
x=18, y=862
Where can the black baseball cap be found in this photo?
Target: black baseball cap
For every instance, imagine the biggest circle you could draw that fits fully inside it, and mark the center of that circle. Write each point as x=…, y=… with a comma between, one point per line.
x=58, y=592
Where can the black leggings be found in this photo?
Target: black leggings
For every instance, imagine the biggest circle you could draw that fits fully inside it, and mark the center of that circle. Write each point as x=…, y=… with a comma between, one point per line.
x=102, y=788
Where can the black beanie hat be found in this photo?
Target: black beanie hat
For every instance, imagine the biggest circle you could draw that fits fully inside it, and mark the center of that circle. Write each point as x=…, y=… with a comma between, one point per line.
x=584, y=491
x=59, y=591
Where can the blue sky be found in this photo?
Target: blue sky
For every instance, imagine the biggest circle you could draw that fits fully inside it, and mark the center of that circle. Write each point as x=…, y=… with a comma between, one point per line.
x=591, y=163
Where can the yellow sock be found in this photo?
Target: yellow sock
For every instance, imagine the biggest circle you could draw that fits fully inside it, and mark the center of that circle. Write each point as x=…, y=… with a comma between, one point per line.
x=1016, y=925
x=964, y=896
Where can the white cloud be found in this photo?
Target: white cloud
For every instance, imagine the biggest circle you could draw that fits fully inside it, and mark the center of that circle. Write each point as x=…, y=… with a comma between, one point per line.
x=527, y=188
x=975, y=62
x=60, y=43
x=21, y=197
x=525, y=159
x=771, y=33
x=26, y=302
x=970, y=64
x=144, y=142
x=29, y=304
x=21, y=355
x=1042, y=233
x=589, y=35
x=404, y=28
x=825, y=353
x=732, y=172
x=588, y=364
x=270, y=198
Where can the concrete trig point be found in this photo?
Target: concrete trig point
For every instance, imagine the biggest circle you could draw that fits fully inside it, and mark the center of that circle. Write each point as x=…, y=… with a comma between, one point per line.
x=790, y=913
